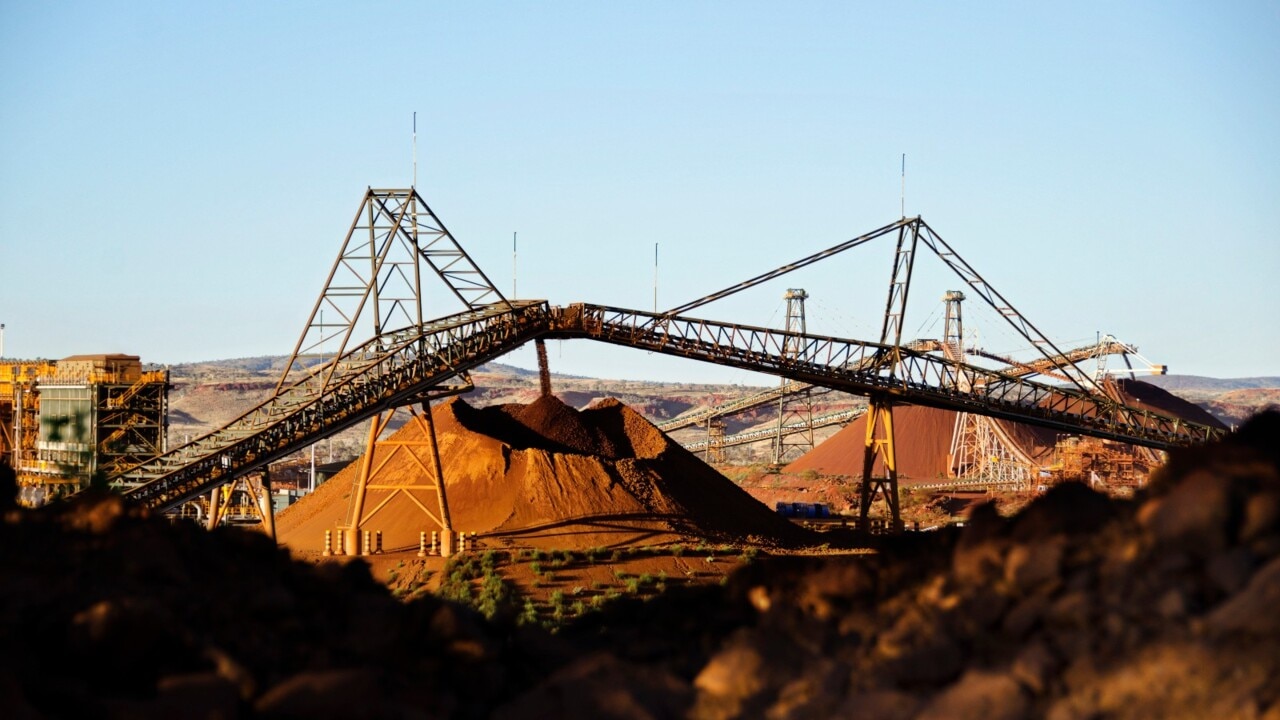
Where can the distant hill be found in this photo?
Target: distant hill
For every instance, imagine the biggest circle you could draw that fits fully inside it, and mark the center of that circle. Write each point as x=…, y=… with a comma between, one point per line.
x=1231, y=400
x=1196, y=383
x=206, y=395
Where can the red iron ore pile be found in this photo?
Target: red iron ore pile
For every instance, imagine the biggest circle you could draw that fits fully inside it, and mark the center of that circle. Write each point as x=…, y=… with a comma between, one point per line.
x=546, y=474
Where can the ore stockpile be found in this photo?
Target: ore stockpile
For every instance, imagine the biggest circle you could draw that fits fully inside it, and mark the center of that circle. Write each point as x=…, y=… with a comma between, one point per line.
x=1081, y=606
x=548, y=475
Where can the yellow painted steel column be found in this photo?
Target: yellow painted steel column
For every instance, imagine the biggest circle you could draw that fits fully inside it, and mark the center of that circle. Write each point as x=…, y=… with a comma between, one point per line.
x=879, y=444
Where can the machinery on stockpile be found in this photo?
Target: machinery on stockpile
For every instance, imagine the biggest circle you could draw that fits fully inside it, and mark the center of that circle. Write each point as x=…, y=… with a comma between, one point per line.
x=984, y=454
x=380, y=351
x=64, y=423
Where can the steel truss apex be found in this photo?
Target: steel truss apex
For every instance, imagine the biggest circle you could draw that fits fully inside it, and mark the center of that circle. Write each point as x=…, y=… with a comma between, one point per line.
x=909, y=232
x=376, y=282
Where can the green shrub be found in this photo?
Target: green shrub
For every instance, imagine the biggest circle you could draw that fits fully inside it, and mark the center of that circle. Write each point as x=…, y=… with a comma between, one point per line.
x=496, y=597
x=456, y=589
x=528, y=614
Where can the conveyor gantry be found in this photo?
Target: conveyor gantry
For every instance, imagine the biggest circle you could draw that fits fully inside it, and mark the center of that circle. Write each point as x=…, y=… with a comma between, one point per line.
x=387, y=372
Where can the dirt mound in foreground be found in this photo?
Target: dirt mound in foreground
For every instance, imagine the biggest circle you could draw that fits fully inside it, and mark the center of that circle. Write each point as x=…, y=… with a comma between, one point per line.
x=1079, y=607
x=108, y=613
x=548, y=475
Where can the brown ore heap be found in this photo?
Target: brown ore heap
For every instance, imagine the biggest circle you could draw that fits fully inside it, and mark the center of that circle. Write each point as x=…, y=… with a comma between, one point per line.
x=548, y=475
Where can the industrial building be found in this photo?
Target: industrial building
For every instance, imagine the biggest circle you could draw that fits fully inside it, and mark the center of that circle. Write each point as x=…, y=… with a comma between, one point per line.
x=65, y=423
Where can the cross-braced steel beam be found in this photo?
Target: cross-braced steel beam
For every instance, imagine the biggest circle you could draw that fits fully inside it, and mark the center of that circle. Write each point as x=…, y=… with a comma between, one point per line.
x=851, y=366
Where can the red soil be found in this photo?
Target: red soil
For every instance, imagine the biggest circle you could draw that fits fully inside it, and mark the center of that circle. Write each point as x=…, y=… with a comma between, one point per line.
x=544, y=474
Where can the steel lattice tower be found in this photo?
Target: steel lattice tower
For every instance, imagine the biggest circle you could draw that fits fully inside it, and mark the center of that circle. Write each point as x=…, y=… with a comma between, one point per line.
x=794, y=408
x=979, y=448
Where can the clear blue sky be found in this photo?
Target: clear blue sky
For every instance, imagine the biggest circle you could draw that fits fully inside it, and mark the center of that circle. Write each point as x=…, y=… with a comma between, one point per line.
x=175, y=178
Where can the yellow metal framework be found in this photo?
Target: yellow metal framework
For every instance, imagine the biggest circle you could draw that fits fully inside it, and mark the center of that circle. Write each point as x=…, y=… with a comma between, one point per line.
x=108, y=415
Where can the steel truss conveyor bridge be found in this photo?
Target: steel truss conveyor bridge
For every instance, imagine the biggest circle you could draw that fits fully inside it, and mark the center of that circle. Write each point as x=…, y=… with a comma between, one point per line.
x=409, y=359
x=746, y=437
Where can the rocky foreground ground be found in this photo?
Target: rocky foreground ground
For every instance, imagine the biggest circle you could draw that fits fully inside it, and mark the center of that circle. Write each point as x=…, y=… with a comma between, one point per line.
x=1079, y=607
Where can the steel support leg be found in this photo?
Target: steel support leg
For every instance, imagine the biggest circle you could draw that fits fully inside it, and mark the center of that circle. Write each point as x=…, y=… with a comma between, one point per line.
x=879, y=445
x=215, y=508
x=353, y=546
x=265, y=506
x=446, y=524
